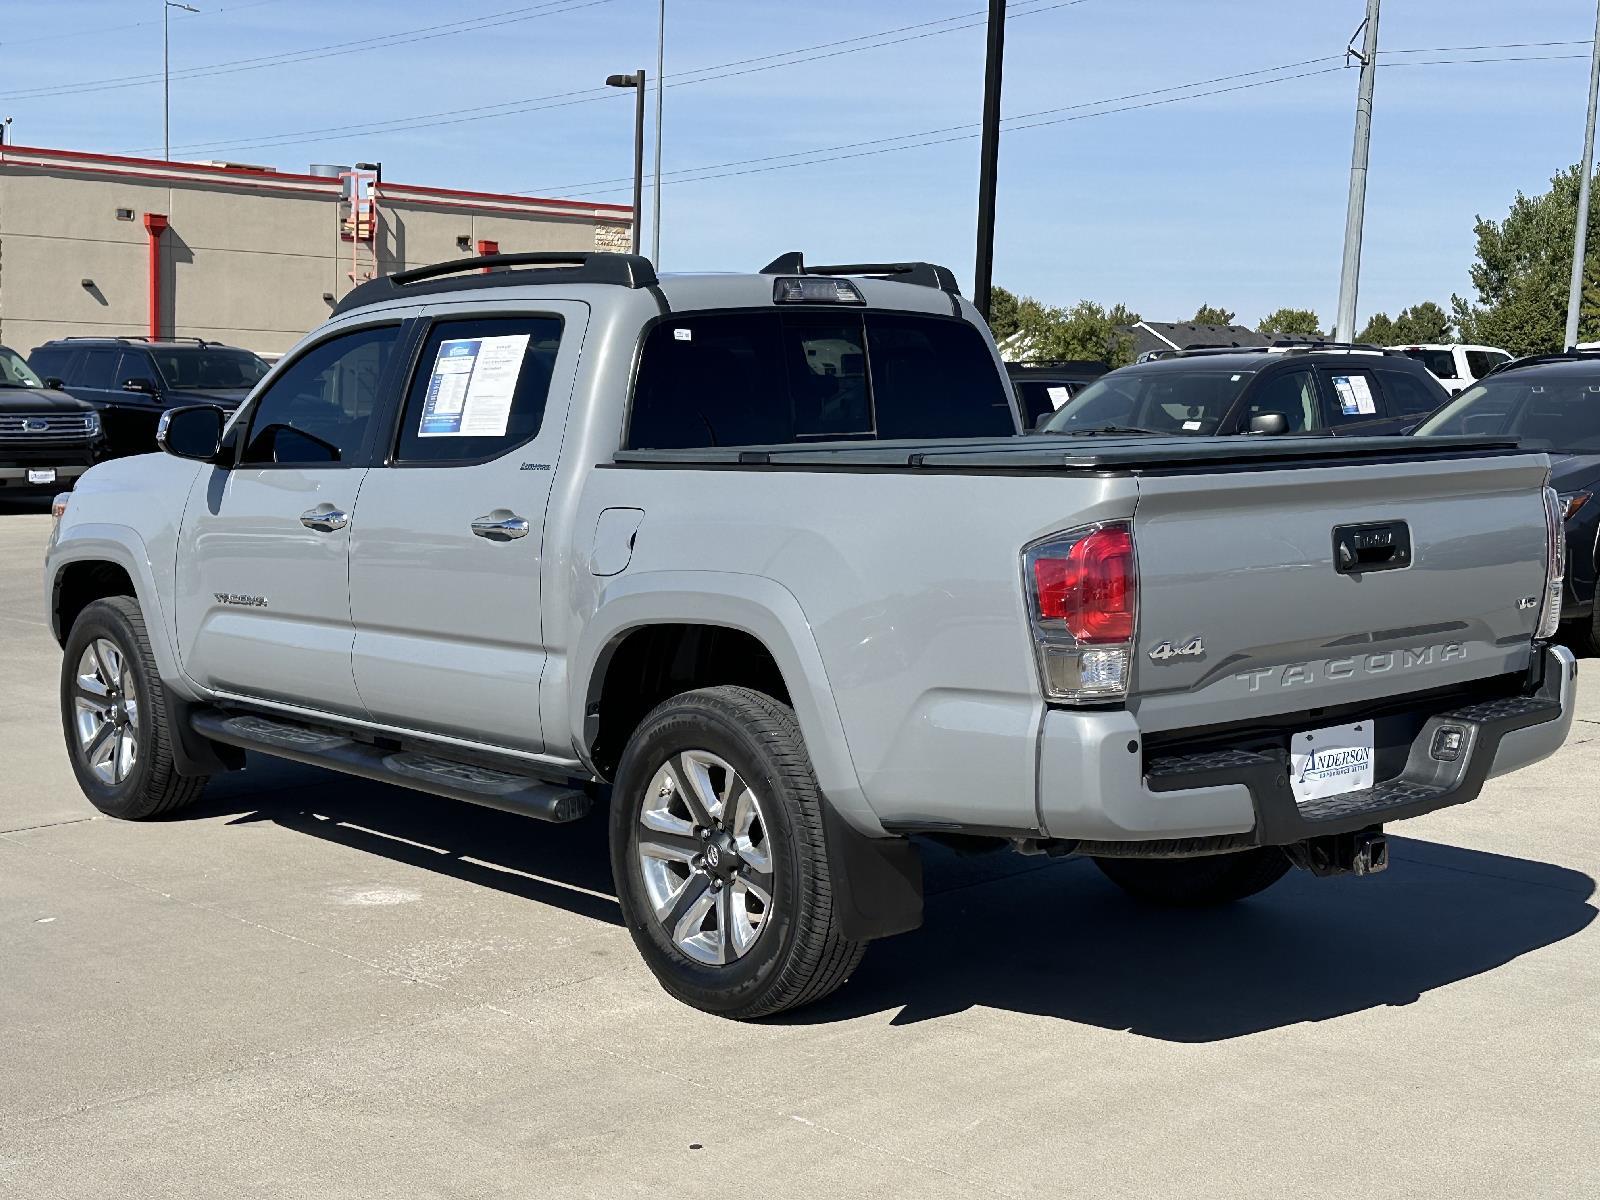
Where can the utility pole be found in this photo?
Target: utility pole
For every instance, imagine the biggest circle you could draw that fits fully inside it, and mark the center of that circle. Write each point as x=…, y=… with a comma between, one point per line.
x=1581, y=230
x=166, y=75
x=989, y=156
x=661, y=79
x=1350, y=273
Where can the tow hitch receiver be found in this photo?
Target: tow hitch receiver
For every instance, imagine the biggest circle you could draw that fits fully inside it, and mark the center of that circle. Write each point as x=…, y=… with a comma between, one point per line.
x=1365, y=852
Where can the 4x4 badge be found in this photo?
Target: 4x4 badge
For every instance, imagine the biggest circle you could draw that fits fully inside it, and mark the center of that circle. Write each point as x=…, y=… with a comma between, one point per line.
x=1193, y=648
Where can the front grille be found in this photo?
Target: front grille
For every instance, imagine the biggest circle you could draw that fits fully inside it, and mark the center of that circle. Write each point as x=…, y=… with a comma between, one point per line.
x=46, y=425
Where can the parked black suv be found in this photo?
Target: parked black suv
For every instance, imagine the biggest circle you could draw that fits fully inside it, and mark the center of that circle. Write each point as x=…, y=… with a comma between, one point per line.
x=132, y=381
x=1290, y=387
x=1549, y=402
x=1043, y=387
x=47, y=438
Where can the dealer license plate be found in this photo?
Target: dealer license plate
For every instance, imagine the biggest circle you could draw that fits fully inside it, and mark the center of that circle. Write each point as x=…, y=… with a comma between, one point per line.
x=47, y=475
x=1331, y=761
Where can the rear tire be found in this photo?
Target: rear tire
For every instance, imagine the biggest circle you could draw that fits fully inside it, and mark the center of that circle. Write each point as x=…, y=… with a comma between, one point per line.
x=1586, y=633
x=1197, y=882
x=719, y=858
x=114, y=716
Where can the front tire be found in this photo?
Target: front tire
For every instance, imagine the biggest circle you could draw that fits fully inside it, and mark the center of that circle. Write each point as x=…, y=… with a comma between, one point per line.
x=1197, y=882
x=114, y=716
x=719, y=857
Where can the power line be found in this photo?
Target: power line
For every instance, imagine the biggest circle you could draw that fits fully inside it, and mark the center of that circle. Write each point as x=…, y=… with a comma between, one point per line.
x=382, y=42
x=79, y=34
x=1012, y=127
x=696, y=75
x=964, y=137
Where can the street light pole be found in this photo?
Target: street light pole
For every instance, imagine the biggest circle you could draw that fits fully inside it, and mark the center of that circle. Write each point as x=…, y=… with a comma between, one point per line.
x=1581, y=230
x=1356, y=209
x=166, y=75
x=989, y=157
x=655, y=206
x=637, y=82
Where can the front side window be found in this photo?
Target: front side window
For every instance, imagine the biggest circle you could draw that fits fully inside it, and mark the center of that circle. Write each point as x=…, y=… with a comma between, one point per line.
x=1293, y=394
x=1558, y=412
x=480, y=388
x=1410, y=396
x=775, y=378
x=316, y=412
x=1161, y=397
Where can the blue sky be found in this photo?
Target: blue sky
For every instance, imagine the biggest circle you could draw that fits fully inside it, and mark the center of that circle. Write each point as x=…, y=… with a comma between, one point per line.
x=1235, y=198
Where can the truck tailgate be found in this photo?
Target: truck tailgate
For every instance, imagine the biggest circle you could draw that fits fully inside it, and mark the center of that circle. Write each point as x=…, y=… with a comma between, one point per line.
x=1243, y=614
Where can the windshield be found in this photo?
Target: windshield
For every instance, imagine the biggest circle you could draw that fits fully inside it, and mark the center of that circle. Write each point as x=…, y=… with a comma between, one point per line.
x=1441, y=362
x=1546, y=411
x=1161, y=399
x=208, y=369
x=16, y=373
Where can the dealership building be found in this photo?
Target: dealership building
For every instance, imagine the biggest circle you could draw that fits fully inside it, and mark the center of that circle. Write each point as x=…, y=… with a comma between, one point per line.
x=105, y=245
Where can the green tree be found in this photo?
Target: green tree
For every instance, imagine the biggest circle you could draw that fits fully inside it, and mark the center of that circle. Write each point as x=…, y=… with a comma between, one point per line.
x=1291, y=322
x=1425, y=322
x=1086, y=330
x=1206, y=314
x=1002, y=313
x=1524, y=264
x=1379, y=331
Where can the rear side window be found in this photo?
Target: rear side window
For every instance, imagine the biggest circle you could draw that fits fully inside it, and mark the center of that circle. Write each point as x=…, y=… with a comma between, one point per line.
x=98, y=370
x=1481, y=362
x=1409, y=396
x=51, y=362
x=480, y=389
x=1441, y=362
x=1354, y=397
x=774, y=378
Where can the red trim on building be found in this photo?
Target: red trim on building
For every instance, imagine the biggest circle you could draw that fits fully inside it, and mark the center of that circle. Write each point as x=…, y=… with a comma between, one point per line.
x=155, y=224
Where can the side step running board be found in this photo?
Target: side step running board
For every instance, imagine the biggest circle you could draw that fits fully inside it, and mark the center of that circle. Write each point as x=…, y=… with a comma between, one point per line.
x=524, y=794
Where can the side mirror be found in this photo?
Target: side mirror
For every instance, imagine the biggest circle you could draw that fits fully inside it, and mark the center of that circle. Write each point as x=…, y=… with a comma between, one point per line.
x=147, y=386
x=1044, y=419
x=193, y=432
x=54, y=381
x=1271, y=424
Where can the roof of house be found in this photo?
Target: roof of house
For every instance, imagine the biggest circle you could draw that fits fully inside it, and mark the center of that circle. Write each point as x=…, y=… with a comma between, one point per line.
x=1186, y=335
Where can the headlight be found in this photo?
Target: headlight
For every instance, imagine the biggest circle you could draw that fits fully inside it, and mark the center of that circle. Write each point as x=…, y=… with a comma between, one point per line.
x=1571, y=502
x=92, y=424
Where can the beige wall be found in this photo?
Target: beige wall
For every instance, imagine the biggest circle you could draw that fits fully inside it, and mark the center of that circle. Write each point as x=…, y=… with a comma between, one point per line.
x=244, y=264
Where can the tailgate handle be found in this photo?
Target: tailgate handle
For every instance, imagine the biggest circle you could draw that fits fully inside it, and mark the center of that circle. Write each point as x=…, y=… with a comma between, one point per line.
x=1378, y=546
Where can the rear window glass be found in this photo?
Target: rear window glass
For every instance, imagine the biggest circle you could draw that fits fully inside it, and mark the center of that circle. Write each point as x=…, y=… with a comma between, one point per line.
x=1410, y=396
x=1441, y=362
x=773, y=378
x=1545, y=412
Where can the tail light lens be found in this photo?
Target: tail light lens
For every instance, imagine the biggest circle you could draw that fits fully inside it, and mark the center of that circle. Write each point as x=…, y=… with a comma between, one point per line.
x=1555, y=563
x=1083, y=591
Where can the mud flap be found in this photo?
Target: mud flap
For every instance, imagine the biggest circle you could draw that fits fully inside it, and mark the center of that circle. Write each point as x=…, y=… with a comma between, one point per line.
x=877, y=881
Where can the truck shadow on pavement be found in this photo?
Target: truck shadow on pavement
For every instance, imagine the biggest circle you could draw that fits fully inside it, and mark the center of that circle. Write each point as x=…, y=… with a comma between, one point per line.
x=1050, y=937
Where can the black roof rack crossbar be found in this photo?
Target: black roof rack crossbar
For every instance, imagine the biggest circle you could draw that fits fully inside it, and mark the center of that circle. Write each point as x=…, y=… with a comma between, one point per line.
x=132, y=337
x=464, y=274
x=923, y=274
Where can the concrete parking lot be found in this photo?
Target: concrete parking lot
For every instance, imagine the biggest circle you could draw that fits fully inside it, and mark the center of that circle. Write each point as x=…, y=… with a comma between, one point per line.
x=314, y=986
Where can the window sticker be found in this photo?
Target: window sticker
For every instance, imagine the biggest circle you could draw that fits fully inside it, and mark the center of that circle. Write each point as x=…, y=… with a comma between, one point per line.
x=1060, y=395
x=683, y=335
x=1355, y=396
x=472, y=386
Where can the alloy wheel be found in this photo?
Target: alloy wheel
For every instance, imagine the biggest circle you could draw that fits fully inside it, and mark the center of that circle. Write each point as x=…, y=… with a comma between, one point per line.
x=106, y=712
x=705, y=856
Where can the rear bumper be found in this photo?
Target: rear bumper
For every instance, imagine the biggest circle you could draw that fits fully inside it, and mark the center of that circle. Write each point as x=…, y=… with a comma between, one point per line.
x=1098, y=787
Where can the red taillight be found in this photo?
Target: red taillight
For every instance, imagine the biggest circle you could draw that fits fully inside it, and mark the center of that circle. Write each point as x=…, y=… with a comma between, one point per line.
x=1091, y=588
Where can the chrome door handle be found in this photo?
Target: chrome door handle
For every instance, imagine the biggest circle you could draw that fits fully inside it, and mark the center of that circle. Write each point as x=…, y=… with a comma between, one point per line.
x=325, y=519
x=500, y=529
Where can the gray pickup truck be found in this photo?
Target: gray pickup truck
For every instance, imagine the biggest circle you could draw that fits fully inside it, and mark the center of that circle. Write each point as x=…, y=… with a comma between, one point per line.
x=762, y=562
